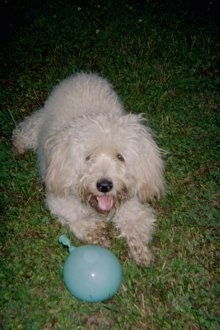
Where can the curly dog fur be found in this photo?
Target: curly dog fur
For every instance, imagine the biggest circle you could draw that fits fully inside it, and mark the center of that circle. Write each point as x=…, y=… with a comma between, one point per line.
x=98, y=163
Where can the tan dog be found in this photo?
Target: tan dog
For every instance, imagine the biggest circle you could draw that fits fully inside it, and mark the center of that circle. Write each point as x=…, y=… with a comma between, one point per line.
x=97, y=162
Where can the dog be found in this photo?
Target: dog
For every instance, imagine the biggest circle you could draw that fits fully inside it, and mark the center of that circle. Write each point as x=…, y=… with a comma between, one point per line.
x=98, y=163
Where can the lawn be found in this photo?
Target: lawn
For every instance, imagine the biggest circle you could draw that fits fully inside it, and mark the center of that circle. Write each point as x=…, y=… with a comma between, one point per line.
x=162, y=60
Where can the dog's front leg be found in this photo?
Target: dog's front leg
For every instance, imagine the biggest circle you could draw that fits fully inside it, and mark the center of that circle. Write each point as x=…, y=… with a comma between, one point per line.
x=135, y=222
x=85, y=224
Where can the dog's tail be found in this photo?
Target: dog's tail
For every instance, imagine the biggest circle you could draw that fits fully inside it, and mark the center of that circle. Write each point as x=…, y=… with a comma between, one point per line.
x=25, y=135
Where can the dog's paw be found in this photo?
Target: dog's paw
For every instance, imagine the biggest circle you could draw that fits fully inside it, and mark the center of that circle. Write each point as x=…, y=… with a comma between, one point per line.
x=18, y=145
x=141, y=254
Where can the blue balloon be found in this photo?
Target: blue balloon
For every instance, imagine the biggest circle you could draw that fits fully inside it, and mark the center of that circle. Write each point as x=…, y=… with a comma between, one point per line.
x=92, y=273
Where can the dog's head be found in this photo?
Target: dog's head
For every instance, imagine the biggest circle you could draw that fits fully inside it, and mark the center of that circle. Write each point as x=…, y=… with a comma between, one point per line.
x=103, y=161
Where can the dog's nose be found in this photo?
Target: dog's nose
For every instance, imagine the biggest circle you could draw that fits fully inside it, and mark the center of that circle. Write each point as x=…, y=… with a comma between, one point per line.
x=104, y=185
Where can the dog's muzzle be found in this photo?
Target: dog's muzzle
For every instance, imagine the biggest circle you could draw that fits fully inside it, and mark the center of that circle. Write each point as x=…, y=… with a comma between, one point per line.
x=104, y=201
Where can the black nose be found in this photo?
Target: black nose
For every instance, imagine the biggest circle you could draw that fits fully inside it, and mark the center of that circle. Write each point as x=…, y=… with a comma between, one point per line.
x=104, y=185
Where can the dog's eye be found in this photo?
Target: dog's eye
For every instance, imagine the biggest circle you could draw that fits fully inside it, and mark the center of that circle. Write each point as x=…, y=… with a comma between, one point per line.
x=88, y=157
x=120, y=157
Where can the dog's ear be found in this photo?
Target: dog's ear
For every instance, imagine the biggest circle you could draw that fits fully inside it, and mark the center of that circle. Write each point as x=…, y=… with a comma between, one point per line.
x=148, y=167
x=59, y=172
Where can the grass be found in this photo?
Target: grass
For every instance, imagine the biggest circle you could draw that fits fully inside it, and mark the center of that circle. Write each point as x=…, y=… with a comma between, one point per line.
x=162, y=60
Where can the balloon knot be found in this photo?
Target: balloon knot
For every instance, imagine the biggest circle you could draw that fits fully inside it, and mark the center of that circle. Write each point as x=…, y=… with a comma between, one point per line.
x=66, y=242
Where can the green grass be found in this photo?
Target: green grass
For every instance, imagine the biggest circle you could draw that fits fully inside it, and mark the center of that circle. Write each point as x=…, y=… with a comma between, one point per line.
x=162, y=62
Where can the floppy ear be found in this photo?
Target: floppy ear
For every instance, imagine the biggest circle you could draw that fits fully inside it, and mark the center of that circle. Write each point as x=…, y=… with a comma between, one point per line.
x=59, y=172
x=148, y=167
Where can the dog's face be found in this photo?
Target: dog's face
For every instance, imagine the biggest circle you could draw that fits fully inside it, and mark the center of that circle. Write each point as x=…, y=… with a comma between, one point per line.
x=104, y=161
x=104, y=182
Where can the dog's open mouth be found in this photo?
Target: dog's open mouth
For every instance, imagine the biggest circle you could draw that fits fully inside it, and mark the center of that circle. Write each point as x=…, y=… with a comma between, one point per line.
x=105, y=202
x=102, y=203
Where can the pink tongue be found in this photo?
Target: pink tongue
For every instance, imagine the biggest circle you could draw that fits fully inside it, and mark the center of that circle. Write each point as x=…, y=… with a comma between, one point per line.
x=105, y=202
